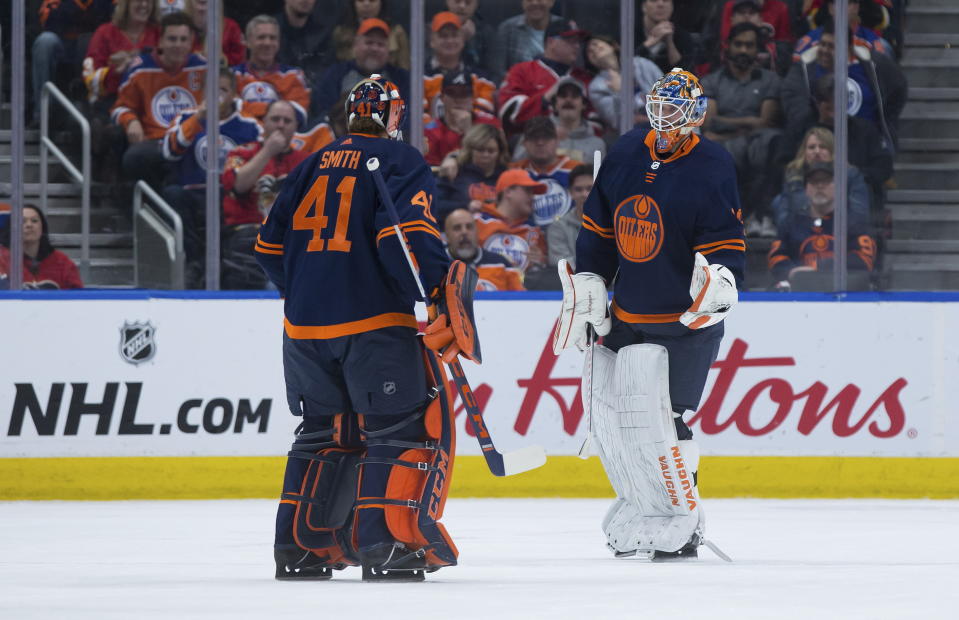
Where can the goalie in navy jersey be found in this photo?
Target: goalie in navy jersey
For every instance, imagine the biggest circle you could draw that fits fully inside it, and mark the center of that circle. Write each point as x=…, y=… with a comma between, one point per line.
x=662, y=229
x=367, y=477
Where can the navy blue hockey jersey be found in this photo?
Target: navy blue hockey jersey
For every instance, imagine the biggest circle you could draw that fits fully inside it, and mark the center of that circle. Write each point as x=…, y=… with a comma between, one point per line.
x=647, y=217
x=329, y=244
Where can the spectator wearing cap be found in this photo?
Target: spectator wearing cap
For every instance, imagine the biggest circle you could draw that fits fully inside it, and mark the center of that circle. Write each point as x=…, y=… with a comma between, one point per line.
x=577, y=138
x=479, y=35
x=529, y=86
x=520, y=38
x=561, y=235
x=660, y=40
x=743, y=115
x=495, y=271
x=505, y=228
x=818, y=146
x=467, y=178
x=457, y=114
x=877, y=86
x=866, y=149
x=370, y=55
x=545, y=164
x=261, y=79
x=602, y=54
x=807, y=243
x=355, y=13
x=861, y=35
x=446, y=46
x=306, y=36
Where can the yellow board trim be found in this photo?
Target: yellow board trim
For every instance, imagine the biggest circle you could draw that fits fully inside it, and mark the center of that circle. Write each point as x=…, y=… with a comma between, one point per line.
x=114, y=478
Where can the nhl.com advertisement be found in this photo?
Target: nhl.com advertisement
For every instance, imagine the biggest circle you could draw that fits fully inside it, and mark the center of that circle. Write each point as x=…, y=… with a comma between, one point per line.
x=188, y=377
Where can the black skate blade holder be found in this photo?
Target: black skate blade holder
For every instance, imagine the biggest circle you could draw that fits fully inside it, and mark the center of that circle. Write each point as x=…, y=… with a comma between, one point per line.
x=651, y=555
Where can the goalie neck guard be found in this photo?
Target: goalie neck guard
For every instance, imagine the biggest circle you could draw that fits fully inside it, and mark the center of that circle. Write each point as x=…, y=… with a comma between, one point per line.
x=378, y=99
x=675, y=105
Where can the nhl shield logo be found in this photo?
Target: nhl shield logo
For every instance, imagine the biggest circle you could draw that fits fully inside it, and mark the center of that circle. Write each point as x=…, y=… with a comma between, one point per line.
x=137, y=344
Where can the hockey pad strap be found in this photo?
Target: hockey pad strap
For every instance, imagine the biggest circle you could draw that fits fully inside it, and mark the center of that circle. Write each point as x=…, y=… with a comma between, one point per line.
x=584, y=303
x=453, y=332
x=713, y=291
x=320, y=489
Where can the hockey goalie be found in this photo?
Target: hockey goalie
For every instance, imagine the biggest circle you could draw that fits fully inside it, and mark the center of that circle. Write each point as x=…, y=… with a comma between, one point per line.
x=661, y=229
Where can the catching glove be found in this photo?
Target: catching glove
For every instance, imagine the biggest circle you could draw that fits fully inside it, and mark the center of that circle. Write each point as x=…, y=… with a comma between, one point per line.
x=713, y=289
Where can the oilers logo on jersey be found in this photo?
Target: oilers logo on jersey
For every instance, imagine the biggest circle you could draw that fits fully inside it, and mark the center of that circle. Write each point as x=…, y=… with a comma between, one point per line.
x=514, y=247
x=226, y=145
x=549, y=207
x=638, y=223
x=169, y=102
x=262, y=92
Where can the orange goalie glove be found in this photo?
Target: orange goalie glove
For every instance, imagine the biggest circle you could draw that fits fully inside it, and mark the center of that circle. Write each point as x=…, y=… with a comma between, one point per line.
x=453, y=331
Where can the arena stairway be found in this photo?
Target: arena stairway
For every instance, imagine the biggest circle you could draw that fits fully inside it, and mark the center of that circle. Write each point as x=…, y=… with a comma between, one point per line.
x=111, y=238
x=923, y=251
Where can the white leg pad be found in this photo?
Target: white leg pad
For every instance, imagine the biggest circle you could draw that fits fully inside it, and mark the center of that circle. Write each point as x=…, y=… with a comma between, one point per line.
x=657, y=505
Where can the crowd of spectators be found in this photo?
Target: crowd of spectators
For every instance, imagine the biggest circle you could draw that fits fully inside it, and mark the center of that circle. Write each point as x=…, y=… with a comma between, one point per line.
x=518, y=95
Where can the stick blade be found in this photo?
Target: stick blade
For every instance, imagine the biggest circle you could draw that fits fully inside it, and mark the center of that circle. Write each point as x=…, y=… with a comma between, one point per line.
x=523, y=459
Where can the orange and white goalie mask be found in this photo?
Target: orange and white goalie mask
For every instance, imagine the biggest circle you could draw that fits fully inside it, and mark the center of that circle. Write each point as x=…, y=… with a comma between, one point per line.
x=675, y=105
x=379, y=99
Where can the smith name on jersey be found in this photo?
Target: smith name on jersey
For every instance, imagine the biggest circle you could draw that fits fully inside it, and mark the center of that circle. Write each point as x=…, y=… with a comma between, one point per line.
x=647, y=216
x=328, y=238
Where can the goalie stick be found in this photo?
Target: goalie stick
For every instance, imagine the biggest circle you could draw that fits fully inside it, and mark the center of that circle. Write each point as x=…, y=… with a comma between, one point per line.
x=500, y=464
x=587, y=393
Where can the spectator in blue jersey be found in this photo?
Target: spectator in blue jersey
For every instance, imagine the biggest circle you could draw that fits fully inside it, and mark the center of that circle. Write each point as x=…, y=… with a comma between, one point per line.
x=877, y=86
x=495, y=271
x=520, y=38
x=370, y=55
x=743, y=115
x=807, y=242
x=186, y=144
x=545, y=164
x=561, y=235
x=467, y=178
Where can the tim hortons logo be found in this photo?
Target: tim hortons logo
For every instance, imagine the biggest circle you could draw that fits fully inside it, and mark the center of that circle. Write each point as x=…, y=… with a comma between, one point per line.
x=817, y=404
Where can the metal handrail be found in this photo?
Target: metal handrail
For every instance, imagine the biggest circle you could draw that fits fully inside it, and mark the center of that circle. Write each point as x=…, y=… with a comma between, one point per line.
x=81, y=177
x=143, y=188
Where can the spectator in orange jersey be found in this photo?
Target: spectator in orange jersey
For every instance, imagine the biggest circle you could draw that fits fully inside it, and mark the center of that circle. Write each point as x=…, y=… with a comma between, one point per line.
x=447, y=39
x=467, y=178
x=135, y=26
x=444, y=133
x=231, y=37
x=157, y=88
x=43, y=266
x=506, y=229
x=495, y=271
x=262, y=79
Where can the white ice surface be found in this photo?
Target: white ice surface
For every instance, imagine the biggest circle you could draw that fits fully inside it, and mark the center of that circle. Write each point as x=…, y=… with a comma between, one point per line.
x=518, y=559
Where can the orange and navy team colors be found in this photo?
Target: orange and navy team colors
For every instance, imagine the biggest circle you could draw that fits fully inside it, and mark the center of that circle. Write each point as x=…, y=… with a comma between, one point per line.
x=258, y=89
x=313, y=139
x=154, y=96
x=515, y=240
x=484, y=93
x=495, y=272
x=806, y=241
x=329, y=243
x=239, y=208
x=647, y=217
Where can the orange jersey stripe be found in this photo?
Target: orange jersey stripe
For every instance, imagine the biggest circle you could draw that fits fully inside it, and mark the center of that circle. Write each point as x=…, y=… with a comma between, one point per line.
x=723, y=247
x=278, y=246
x=322, y=332
x=629, y=317
x=593, y=229
x=263, y=250
x=723, y=242
x=586, y=218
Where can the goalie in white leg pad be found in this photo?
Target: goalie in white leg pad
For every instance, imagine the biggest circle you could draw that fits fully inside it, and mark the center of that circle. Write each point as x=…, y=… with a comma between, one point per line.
x=657, y=507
